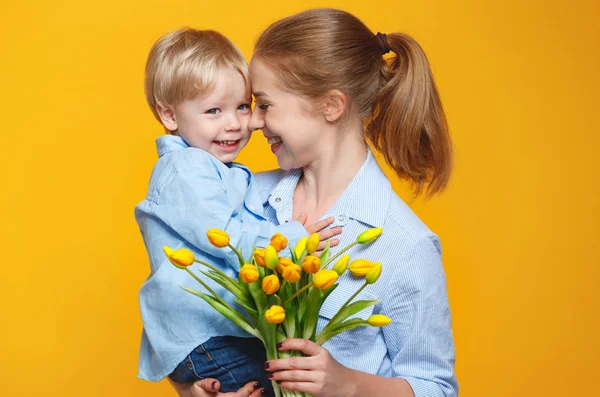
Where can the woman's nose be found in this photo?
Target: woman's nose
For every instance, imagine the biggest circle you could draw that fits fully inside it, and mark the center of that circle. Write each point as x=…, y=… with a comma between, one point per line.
x=257, y=121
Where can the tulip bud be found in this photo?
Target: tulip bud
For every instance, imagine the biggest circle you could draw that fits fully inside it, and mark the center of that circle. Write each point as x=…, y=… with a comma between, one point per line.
x=181, y=258
x=373, y=274
x=279, y=242
x=271, y=257
x=311, y=264
x=270, y=284
x=369, y=235
x=379, y=320
x=341, y=265
x=275, y=315
x=249, y=273
x=259, y=257
x=325, y=278
x=300, y=247
x=291, y=273
x=283, y=263
x=360, y=267
x=312, y=243
x=218, y=238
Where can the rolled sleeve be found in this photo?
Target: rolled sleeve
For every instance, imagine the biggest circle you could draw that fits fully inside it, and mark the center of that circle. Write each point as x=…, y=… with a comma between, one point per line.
x=419, y=339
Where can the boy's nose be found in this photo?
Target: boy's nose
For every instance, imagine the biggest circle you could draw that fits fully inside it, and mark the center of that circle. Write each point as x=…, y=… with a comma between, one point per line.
x=256, y=121
x=234, y=124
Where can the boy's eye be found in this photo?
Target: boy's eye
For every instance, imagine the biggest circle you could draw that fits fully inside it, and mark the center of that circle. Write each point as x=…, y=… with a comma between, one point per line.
x=213, y=111
x=244, y=107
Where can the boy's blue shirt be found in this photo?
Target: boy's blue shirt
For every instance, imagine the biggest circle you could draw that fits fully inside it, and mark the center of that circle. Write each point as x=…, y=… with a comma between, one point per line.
x=190, y=191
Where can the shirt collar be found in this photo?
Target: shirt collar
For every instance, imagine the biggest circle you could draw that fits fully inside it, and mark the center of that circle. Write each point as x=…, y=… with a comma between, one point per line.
x=170, y=143
x=366, y=199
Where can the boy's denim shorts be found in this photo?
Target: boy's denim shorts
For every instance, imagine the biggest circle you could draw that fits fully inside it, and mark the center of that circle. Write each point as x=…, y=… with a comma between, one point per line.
x=233, y=361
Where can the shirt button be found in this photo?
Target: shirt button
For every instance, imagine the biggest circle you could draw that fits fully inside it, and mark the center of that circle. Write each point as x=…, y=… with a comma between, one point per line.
x=341, y=218
x=278, y=199
x=286, y=221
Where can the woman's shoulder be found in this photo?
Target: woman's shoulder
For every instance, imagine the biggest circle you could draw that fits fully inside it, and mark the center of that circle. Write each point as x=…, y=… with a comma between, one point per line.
x=402, y=224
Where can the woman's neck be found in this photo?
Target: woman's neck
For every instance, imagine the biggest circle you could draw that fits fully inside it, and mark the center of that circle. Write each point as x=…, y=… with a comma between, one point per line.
x=327, y=177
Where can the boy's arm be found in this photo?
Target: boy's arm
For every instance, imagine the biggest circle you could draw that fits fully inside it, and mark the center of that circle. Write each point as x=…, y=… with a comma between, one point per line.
x=191, y=202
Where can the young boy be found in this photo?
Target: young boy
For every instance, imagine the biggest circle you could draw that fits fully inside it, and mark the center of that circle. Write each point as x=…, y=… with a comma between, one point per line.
x=198, y=87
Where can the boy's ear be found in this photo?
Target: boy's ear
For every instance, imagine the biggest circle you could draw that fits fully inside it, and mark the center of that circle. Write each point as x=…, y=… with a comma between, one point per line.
x=335, y=104
x=167, y=117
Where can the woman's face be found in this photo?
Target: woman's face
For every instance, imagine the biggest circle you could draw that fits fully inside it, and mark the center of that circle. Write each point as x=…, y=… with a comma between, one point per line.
x=291, y=124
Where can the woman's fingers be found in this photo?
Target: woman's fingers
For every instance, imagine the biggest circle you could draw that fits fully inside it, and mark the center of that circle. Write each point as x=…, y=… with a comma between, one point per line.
x=302, y=218
x=305, y=346
x=319, y=225
x=289, y=363
x=250, y=389
x=208, y=385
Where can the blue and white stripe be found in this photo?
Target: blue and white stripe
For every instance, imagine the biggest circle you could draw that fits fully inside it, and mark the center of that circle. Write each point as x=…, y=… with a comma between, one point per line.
x=418, y=345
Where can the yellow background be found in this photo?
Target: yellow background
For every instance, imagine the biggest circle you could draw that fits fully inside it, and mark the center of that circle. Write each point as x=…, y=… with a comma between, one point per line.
x=519, y=80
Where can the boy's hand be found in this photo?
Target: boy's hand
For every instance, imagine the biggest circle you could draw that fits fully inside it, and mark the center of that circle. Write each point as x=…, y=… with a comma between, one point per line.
x=318, y=227
x=210, y=388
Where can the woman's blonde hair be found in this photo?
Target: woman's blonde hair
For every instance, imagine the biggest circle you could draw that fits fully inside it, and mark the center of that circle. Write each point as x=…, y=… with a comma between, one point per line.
x=395, y=97
x=184, y=64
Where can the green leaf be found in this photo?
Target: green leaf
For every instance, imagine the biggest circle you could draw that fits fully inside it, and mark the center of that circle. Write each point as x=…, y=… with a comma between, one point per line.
x=289, y=323
x=260, y=298
x=250, y=310
x=293, y=254
x=235, y=289
x=233, y=315
x=325, y=254
x=314, y=300
x=350, y=310
x=328, y=333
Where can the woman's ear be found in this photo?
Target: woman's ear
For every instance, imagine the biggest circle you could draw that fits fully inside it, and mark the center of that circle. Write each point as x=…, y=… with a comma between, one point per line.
x=335, y=104
x=167, y=117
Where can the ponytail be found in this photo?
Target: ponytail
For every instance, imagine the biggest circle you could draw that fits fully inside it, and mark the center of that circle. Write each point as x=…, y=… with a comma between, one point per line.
x=407, y=123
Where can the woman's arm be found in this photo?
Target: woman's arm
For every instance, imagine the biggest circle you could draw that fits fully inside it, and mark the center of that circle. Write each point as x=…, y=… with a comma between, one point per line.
x=322, y=376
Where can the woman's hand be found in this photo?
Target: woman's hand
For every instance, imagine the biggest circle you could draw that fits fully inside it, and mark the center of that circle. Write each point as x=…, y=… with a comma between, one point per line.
x=318, y=374
x=209, y=387
x=318, y=227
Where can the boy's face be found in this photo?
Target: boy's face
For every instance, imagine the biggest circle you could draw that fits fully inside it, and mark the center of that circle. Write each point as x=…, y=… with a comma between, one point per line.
x=217, y=122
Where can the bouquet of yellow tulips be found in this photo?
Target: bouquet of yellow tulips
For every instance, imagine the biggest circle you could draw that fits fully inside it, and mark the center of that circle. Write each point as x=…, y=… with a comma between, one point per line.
x=282, y=296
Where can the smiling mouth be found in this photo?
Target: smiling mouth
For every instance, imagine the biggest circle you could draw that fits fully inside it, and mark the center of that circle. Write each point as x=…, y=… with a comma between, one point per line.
x=226, y=143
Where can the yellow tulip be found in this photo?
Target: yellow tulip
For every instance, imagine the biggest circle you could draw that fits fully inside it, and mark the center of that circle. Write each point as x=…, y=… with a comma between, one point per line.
x=271, y=257
x=259, y=257
x=291, y=273
x=373, y=274
x=360, y=267
x=312, y=243
x=379, y=320
x=283, y=263
x=275, y=315
x=218, y=238
x=249, y=273
x=181, y=258
x=341, y=265
x=300, y=247
x=311, y=264
x=369, y=235
x=279, y=242
x=325, y=279
x=270, y=284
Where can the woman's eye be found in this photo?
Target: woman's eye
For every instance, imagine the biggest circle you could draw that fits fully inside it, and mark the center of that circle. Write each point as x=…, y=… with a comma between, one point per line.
x=263, y=107
x=244, y=107
x=213, y=111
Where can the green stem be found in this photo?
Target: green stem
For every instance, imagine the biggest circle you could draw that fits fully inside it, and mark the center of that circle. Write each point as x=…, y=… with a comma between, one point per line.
x=298, y=293
x=338, y=254
x=240, y=257
x=332, y=321
x=217, y=297
x=216, y=270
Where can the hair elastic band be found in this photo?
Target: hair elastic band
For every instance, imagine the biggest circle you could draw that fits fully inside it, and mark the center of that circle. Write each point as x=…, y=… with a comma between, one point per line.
x=383, y=42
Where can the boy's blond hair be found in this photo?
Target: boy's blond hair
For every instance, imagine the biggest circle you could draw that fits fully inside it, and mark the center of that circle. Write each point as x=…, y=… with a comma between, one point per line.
x=184, y=64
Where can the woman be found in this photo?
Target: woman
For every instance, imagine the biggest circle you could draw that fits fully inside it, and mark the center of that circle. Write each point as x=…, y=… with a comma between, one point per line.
x=323, y=89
